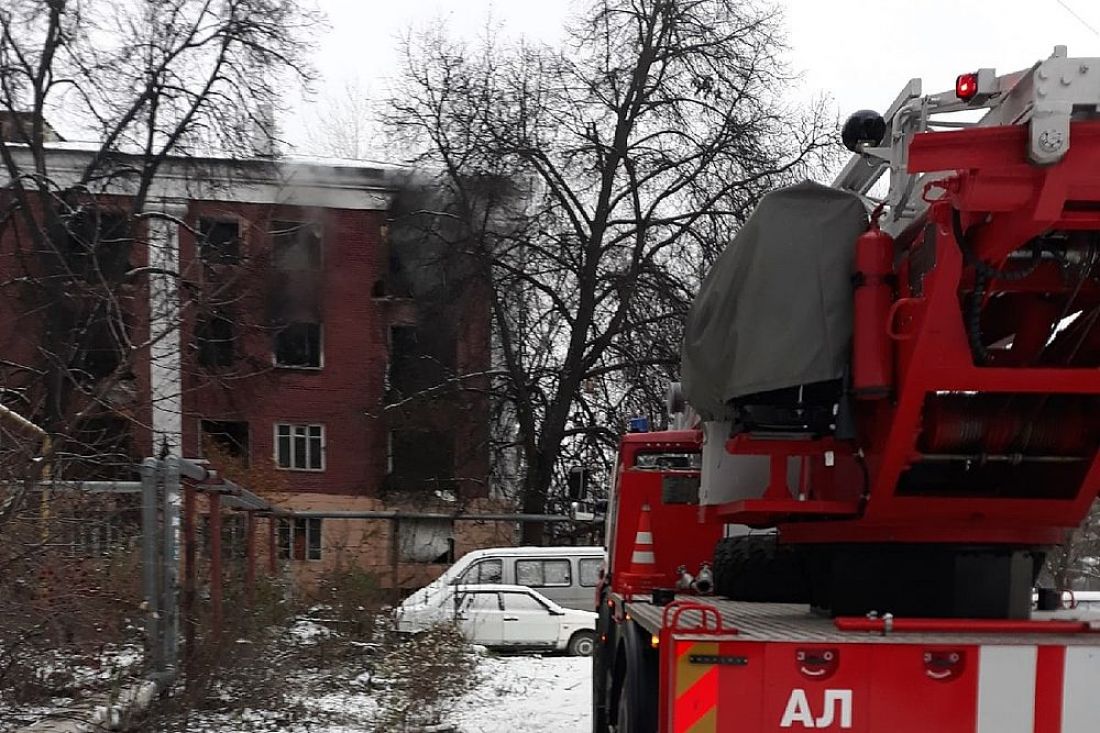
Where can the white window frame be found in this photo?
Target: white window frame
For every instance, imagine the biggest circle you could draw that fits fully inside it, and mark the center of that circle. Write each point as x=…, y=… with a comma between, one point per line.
x=291, y=436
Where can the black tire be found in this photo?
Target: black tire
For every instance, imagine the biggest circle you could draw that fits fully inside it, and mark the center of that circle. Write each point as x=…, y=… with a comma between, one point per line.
x=757, y=568
x=637, y=705
x=582, y=644
x=603, y=666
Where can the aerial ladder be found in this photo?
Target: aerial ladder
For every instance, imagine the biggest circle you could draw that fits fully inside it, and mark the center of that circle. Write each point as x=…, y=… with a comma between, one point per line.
x=870, y=456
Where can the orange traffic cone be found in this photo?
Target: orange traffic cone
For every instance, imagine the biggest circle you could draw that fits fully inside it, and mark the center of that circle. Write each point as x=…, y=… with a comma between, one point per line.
x=641, y=573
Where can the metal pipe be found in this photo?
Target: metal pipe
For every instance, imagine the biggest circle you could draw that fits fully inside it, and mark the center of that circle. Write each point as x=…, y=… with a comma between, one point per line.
x=997, y=458
x=91, y=487
x=272, y=549
x=395, y=561
x=190, y=574
x=215, y=525
x=250, y=555
x=496, y=517
x=150, y=469
x=170, y=557
x=961, y=626
x=192, y=470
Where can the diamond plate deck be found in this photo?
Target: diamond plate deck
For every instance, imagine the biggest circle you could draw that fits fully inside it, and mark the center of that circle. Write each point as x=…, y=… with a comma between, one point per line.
x=786, y=622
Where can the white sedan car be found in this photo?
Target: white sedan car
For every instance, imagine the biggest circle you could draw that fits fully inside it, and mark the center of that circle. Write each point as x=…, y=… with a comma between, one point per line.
x=504, y=616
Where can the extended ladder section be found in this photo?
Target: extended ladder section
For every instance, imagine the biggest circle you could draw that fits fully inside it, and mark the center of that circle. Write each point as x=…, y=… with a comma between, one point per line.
x=1046, y=98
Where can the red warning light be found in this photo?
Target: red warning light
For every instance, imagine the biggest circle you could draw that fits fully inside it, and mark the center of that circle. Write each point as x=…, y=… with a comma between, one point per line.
x=966, y=86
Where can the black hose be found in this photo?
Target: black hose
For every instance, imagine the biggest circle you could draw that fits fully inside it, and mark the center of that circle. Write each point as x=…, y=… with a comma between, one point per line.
x=973, y=317
x=983, y=275
x=992, y=273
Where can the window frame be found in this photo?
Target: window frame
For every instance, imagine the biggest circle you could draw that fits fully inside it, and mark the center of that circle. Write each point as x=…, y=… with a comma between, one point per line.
x=202, y=240
x=293, y=232
x=206, y=345
x=599, y=561
x=543, y=561
x=467, y=599
x=288, y=530
x=504, y=602
x=290, y=448
x=461, y=579
x=245, y=455
x=320, y=346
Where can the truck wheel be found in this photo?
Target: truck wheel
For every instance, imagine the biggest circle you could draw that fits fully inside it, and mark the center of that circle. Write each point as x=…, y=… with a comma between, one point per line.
x=637, y=709
x=757, y=568
x=603, y=667
x=582, y=644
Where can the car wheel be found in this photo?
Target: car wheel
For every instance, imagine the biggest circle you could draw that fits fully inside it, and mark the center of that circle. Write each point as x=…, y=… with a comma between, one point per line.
x=582, y=644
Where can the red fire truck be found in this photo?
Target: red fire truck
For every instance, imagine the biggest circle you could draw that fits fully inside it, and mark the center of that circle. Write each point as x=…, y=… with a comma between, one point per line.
x=890, y=412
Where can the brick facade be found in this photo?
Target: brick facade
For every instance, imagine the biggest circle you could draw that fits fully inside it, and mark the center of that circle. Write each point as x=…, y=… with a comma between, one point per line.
x=350, y=294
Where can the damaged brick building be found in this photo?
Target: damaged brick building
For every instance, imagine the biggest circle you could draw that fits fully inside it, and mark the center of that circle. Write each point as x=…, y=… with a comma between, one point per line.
x=323, y=349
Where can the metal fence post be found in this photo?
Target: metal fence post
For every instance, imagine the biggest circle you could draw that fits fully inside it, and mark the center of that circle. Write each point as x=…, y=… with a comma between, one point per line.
x=250, y=552
x=215, y=545
x=190, y=573
x=170, y=559
x=272, y=547
x=150, y=474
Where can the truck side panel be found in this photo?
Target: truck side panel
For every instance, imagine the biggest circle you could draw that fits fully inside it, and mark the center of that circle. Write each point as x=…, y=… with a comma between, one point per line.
x=772, y=687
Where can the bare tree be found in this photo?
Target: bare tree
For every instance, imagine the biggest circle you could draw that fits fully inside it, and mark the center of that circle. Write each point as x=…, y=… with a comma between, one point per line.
x=151, y=83
x=596, y=180
x=345, y=121
x=1075, y=565
x=159, y=86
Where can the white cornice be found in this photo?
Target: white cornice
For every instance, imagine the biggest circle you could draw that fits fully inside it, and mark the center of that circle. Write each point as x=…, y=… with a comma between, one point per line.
x=255, y=181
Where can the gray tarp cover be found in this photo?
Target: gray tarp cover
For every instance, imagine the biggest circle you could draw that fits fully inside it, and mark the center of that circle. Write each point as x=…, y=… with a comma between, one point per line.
x=775, y=311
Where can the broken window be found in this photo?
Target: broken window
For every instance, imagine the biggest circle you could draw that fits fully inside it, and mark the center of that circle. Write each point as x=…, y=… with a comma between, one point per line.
x=298, y=345
x=300, y=538
x=234, y=533
x=422, y=459
x=98, y=245
x=216, y=335
x=219, y=241
x=421, y=357
x=102, y=353
x=100, y=448
x=229, y=437
x=300, y=447
x=296, y=245
x=426, y=540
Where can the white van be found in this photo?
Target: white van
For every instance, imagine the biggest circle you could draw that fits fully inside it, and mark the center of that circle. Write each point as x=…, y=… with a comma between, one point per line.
x=566, y=575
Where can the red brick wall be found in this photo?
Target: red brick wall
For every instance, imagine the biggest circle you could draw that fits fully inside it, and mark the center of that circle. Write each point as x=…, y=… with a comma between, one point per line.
x=345, y=395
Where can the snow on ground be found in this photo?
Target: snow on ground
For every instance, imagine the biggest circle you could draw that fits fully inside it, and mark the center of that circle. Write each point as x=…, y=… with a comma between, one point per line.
x=528, y=695
x=517, y=694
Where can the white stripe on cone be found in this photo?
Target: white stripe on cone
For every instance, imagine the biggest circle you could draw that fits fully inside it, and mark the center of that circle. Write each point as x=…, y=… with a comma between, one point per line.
x=642, y=557
x=644, y=538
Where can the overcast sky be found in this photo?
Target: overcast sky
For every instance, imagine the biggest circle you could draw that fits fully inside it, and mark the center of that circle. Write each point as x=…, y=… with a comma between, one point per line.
x=858, y=52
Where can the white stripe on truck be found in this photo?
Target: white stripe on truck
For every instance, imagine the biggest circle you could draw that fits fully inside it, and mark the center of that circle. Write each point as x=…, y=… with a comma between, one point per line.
x=1081, y=690
x=1006, y=689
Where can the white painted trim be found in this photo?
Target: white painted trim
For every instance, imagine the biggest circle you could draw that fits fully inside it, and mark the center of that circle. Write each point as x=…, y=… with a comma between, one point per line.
x=255, y=180
x=1006, y=689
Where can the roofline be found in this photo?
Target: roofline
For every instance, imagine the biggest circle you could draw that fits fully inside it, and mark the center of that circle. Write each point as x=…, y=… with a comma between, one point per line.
x=532, y=550
x=238, y=180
